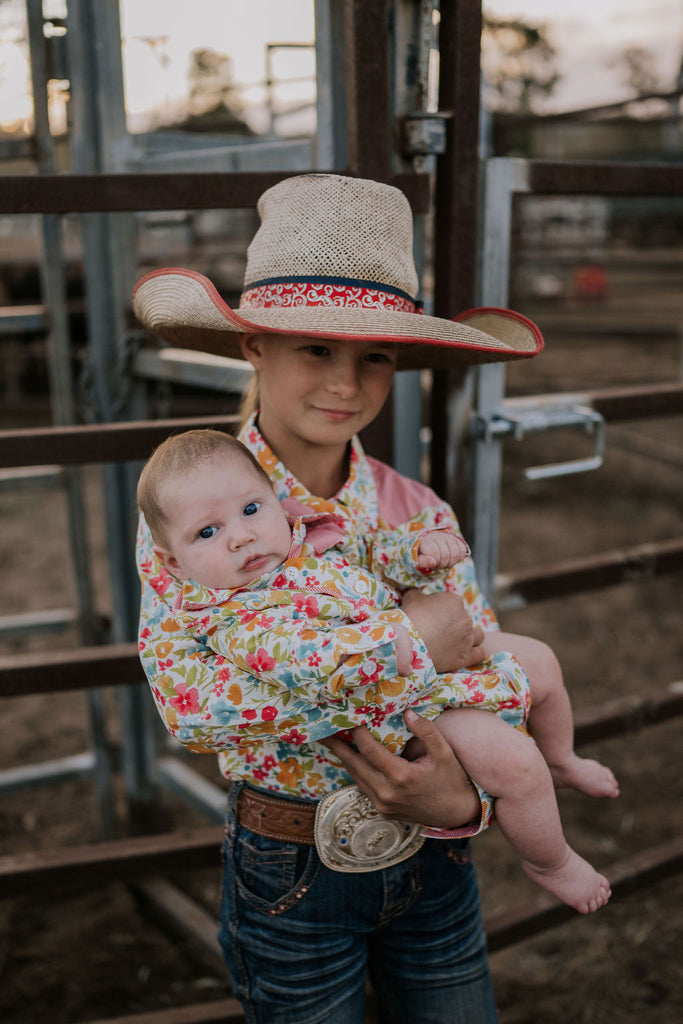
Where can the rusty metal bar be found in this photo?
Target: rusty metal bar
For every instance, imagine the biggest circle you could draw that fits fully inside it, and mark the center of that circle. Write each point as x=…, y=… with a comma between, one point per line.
x=645, y=561
x=73, y=868
x=369, y=134
x=222, y=1011
x=119, y=442
x=638, y=402
x=79, y=669
x=549, y=177
x=456, y=207
x=457, y=169
x=367, y=75
x=78, y=867
x=180, y=916
x=626, y=877
x=118, y=665
x=119, y=193
x=614, y=404
x=108, y=442
x=628, y=714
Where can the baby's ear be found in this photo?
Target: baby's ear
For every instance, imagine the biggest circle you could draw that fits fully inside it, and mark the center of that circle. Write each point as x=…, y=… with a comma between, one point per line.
x=170, y=562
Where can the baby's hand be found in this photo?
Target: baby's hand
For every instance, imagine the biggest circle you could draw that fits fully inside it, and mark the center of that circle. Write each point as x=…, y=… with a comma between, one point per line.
x=440, y=550
x=404, y=650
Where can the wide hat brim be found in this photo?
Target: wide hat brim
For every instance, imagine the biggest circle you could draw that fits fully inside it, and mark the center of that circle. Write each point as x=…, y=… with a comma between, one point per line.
x=184, y=308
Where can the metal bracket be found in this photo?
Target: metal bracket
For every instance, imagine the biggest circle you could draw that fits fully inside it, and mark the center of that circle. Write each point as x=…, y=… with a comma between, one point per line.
x=536, y=419
x=424, y=134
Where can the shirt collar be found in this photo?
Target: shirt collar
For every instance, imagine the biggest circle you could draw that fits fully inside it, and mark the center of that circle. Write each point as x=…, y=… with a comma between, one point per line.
x=358, y=493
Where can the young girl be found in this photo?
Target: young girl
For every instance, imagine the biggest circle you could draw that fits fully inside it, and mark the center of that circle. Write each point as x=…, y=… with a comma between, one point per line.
x=327, y=315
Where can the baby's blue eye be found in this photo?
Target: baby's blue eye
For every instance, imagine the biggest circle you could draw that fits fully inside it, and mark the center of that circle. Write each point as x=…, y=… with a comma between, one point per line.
x=206, y=532
x=252, y=508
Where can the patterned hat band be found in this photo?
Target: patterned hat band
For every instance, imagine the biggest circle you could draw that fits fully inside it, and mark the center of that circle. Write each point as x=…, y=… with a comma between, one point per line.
x=332, y=258
x=285, y=292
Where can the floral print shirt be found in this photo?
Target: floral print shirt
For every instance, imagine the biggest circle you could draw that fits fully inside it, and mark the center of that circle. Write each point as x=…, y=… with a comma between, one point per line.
x=231, y=702
x=314, y=627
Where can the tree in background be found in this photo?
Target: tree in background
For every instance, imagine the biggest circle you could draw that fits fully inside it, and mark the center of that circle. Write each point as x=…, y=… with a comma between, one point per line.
x=639, y=71
x=214, y=103
x=518, y=61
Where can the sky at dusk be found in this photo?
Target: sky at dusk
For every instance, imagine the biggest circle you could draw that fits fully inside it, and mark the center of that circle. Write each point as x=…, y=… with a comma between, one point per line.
x=588, y=35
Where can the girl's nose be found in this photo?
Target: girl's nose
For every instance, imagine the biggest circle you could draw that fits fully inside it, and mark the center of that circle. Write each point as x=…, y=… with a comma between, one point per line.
x=344, y=378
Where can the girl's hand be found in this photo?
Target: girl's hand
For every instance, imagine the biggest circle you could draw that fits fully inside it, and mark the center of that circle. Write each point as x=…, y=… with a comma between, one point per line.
x=450, y=636
x=431, y=790
x=440, y=550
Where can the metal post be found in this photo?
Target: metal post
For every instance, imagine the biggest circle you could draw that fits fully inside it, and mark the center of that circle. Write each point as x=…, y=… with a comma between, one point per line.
x=332, y=151
x=100, y=144
x=504, y=177
x=456, y=240
x=413, y=38
x=63, y=412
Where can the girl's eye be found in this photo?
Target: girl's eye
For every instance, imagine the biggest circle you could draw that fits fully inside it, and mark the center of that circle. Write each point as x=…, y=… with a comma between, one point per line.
x=252, y=508
x=317, y=350
x=378, y=357
x=206, y=532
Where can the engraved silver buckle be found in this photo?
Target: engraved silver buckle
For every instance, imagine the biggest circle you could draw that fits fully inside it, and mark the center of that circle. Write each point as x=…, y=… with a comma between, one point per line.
x=352, y=836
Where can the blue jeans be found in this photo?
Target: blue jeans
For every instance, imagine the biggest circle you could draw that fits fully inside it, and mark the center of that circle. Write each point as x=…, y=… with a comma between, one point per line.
x=299, y=939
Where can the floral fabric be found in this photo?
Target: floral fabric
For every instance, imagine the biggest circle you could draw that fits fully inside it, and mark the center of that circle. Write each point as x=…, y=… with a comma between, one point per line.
x=255, y=691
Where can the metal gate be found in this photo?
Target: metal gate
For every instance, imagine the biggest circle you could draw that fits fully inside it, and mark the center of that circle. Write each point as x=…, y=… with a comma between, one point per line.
x=110, y=180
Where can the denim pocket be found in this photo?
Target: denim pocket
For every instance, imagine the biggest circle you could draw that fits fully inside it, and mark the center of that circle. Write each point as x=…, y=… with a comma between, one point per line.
x=271, y=875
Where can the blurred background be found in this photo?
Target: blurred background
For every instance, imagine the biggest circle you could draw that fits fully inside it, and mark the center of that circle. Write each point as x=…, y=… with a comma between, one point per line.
x=228, y=86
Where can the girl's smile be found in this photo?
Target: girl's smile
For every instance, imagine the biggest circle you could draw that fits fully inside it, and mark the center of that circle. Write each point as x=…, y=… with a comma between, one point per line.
x=314, y=395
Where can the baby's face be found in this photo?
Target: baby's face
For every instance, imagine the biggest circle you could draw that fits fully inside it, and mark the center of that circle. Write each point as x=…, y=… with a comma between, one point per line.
x=225, y=525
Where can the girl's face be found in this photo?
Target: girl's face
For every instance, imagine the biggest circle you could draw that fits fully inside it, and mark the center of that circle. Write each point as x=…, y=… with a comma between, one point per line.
x=317, y=392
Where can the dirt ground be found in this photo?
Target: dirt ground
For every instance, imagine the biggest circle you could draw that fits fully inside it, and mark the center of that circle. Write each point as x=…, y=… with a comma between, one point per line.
x=98, y=955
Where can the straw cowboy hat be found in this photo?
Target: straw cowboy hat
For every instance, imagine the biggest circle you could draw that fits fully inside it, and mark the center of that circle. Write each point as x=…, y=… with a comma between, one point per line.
x=332, y=259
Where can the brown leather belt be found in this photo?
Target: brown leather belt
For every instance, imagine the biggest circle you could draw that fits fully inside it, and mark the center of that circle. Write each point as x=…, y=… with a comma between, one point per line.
x=274, y=817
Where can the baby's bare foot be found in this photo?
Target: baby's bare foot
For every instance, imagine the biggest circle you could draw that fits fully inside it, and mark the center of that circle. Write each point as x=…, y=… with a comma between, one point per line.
x=587, y=776
x=574, y=881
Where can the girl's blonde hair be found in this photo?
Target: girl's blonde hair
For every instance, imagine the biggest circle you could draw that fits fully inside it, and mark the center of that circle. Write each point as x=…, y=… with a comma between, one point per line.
x=250, y=401
x=176, y=456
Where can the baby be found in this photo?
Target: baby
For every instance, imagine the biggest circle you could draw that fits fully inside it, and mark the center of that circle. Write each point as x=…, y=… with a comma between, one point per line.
x=259, y=588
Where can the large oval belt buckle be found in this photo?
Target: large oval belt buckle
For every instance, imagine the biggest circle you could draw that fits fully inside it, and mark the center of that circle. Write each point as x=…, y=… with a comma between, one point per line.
x=351, y=835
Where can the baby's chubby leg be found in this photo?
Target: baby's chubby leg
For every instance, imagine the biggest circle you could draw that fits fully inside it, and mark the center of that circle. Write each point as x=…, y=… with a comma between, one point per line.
x=507, y=764
x=550, y=719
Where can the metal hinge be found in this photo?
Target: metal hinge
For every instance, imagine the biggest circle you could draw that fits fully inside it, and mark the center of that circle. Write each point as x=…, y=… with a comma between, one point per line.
x=539, y=418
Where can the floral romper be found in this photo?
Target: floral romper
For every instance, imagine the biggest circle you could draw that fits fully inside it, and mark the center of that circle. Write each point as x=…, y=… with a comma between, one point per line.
x=262, y=673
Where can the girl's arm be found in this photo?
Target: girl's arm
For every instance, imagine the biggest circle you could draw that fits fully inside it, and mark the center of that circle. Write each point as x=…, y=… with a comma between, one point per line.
x=432, y=790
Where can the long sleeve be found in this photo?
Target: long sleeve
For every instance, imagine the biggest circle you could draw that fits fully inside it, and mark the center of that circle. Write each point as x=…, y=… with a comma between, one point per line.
x=393, y=555
x=309, y=656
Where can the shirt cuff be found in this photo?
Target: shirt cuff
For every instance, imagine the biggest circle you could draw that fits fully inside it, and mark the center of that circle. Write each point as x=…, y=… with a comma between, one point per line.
x=472, y=828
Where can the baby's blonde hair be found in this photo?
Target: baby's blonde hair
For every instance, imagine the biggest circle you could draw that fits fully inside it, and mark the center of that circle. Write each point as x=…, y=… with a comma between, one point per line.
x=175, y=456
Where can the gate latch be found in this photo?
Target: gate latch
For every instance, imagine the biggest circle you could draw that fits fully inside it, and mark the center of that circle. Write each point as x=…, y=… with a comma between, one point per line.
x=534, y=420
x=424, y=134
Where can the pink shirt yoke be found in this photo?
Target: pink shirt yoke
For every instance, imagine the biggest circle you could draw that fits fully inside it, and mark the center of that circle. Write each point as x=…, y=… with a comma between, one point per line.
x=398, y=497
